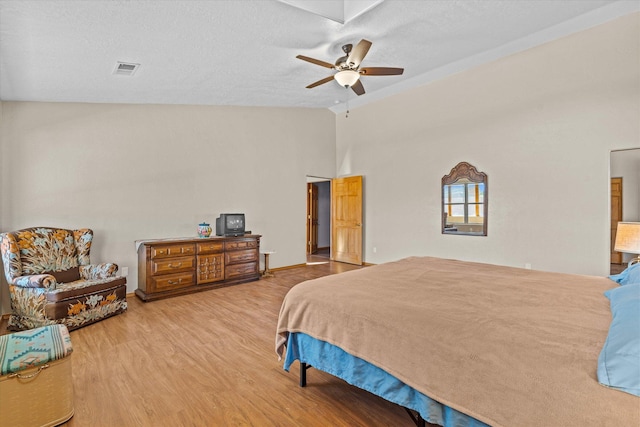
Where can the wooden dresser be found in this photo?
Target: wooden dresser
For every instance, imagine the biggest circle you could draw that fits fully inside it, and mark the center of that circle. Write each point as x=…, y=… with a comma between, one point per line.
x=179, y=266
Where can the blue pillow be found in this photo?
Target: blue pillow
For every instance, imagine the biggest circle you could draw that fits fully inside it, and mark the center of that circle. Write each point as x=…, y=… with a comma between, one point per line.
x=619, y=360
x=629, y=275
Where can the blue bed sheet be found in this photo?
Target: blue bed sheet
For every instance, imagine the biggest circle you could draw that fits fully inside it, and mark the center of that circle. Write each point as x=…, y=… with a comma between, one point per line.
x=332, y=359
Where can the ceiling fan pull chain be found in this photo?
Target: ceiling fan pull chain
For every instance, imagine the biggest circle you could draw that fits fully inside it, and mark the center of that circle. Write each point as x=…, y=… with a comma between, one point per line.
x=347, y=115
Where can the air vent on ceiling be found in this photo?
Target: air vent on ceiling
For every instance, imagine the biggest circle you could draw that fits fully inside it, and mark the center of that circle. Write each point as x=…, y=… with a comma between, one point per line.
x=126, y=68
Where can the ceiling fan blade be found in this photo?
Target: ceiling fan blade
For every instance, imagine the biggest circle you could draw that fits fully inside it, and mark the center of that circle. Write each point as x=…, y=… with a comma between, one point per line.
x=358, y=88
x=320, y=82
x=358, y=53
x=315, y=61
x=381, y=71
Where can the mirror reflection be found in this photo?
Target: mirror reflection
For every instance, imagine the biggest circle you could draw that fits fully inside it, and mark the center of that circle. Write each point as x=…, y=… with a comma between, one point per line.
x=464, y=201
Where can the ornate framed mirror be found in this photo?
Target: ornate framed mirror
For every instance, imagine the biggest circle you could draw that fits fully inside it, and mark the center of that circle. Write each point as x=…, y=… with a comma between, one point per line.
x=465, y=201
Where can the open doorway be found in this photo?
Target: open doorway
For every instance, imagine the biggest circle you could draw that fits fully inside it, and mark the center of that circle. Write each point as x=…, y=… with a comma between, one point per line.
x=318, y=242
x=625, y=198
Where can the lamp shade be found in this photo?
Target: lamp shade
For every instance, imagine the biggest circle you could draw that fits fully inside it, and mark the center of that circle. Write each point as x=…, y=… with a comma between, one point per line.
x=628, y=237
x=347, y=78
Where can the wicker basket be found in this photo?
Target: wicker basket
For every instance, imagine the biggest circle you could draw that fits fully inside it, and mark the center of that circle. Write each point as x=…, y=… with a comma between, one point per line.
x=37, y=396
x=36, y=387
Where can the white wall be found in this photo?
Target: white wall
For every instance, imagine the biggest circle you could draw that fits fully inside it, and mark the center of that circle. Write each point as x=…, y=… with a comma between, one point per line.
x=540, y=123
x=3, y=172
x=134, y=172
x=625, y=164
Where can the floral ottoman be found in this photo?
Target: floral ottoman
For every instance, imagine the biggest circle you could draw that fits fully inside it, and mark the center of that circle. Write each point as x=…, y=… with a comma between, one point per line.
x=36, y=388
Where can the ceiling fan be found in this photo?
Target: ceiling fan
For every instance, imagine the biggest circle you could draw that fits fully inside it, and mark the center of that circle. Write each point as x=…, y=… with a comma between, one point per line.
x=348, y=67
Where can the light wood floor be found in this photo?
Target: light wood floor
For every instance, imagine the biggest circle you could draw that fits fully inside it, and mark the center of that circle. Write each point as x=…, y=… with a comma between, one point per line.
x=208, y=359
x=321, y=256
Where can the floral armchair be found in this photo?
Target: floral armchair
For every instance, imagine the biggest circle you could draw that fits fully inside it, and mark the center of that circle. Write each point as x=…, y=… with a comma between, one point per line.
x=51, y=280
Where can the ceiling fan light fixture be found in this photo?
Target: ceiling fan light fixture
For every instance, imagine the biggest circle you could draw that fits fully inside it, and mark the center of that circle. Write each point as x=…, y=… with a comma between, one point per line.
x=347, y=78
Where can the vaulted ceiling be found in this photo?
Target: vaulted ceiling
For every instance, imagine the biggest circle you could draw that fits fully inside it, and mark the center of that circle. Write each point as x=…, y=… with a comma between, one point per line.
x=244, y=52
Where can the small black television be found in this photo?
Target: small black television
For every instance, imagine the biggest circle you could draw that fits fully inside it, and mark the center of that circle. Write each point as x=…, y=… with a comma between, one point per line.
x=230, y=224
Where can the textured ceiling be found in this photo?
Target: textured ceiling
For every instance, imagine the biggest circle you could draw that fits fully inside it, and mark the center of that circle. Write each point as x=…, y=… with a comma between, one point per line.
x=243, y=52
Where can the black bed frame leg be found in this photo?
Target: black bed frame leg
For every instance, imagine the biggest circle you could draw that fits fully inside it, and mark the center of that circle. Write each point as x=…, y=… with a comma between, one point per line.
x=303, y=373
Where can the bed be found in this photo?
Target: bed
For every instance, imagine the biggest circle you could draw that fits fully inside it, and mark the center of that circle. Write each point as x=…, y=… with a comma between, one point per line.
x=461, y=343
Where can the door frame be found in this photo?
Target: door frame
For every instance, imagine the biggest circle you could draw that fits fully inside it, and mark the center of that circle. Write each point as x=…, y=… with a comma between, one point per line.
x=312, y=218
x=615, y=257
x=314, y=179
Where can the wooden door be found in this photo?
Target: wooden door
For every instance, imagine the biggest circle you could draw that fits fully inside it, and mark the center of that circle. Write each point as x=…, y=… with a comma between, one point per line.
x=312, y=218
x=346, y=220
x=616, y=216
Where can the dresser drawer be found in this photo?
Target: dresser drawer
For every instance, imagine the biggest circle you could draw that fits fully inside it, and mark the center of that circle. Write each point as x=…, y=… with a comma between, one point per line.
x=171, y=281
x=209, y=247
x=240, y=270
x=237, y=257
x=172, y=265
x=165, y=251
x=240, y=244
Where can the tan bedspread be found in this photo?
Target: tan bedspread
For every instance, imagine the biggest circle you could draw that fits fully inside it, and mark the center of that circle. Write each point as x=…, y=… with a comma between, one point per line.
x=510, y=347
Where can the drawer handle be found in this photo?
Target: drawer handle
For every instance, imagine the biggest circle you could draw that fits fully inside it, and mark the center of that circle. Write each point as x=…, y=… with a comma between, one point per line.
x=183, y=250
x=29, y=376
x=160, y=252
x=173, y=282
x=175, y=266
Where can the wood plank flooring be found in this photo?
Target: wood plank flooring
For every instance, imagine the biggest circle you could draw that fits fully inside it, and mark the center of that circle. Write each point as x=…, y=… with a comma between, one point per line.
x=208, y=359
